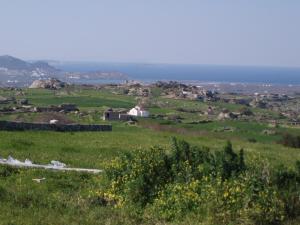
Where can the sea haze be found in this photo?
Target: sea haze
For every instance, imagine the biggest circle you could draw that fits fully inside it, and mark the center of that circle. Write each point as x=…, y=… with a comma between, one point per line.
x=209, y=73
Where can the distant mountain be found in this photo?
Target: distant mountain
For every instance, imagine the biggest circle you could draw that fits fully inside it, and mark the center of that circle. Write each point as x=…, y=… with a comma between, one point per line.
x=45, y=66
x=12, y=63
x=17, y=72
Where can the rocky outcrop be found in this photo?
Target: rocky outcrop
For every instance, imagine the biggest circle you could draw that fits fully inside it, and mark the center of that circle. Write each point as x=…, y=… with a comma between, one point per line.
x=226, y=114
x=4, y=100
x=48, y=84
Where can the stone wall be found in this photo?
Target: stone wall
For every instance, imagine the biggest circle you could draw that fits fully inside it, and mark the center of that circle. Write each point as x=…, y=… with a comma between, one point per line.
x=20, y=126
x=111, y=115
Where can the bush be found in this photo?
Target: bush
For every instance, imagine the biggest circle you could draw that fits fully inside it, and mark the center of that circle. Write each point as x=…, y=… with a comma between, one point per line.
x=171, y=184
x=252, y=140
x=289, y=140
x=245, y=199
x=6, y=171
x=288, y=184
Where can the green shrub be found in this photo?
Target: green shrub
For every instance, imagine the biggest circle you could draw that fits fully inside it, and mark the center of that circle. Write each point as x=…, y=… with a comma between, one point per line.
x=289, y=140
x=288, y=184
x=252, y=140
x=171, y=184
x=6, y=171
x=244, y=199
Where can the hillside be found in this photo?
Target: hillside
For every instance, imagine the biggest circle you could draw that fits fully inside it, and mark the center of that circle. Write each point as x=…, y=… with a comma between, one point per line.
x=11, y=63
x=17, y=72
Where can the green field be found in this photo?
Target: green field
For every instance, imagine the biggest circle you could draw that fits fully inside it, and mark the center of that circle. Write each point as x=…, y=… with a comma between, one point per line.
x=64, y=197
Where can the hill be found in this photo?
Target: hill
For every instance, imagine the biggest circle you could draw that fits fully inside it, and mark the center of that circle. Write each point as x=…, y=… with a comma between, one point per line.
x=11, y=63
x=17, y=72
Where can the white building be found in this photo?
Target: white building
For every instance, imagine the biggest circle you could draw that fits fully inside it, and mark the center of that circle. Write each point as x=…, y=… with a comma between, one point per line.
x=138, y=111
x=53, y=121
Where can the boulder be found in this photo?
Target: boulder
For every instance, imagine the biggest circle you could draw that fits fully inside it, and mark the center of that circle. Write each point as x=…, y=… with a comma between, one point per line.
x=48, y=84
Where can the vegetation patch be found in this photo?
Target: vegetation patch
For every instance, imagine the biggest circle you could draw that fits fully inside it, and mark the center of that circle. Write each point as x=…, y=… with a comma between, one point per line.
x=290, y=140
x=21, y=144
x=173, y=184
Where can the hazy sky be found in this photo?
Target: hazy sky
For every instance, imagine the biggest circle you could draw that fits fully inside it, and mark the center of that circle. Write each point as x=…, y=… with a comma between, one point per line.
x=236, y=32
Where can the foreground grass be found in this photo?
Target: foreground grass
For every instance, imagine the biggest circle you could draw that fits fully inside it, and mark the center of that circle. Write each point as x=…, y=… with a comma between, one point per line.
x=62, y=197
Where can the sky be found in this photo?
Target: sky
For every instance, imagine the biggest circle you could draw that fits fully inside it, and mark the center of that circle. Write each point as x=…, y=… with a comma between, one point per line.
x=222, y=32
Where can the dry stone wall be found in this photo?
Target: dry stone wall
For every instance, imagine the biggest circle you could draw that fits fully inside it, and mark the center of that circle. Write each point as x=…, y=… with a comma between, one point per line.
x=20, y=126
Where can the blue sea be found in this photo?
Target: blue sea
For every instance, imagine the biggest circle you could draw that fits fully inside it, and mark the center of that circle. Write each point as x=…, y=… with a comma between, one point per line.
x=203, y=73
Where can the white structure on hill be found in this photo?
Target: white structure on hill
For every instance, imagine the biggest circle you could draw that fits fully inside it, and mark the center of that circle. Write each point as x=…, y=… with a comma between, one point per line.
x=138, y=111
